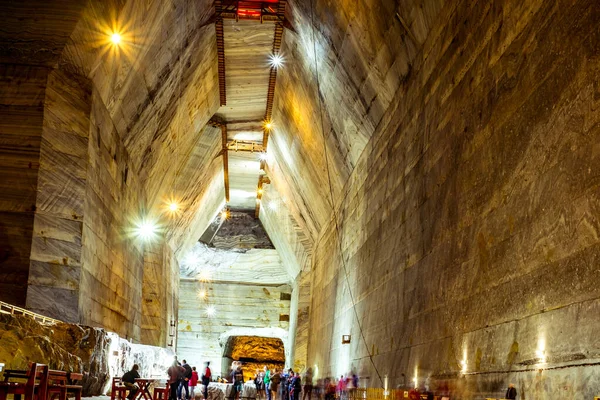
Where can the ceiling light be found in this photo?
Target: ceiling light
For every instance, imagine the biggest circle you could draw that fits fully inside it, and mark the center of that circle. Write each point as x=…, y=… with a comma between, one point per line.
x=225, y=214
x=263, y=156
x=146, y=230
x=202, y=294
x=115, y=38
x=276, y=60
x=273, y=205
x=210, y=311
x=268, y=125
x=173, y=206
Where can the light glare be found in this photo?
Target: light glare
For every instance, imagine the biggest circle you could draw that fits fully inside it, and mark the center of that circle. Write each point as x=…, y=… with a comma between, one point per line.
x=146, y=230
x=210, y=311
x=115, y=38
x=276, y=60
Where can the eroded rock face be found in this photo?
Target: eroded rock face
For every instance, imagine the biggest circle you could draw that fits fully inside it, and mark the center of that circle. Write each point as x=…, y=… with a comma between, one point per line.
x=62, y=346
x=98, y=354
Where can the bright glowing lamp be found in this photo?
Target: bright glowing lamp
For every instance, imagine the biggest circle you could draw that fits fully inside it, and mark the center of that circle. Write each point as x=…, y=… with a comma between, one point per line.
x=115, y=38
x=276, y=60
x=202, y=294
x=173, y=206
x=210, y=311
x=146, y=230
x=224, y=214
x=273, y=206
x=264, y=156
x=268, y=125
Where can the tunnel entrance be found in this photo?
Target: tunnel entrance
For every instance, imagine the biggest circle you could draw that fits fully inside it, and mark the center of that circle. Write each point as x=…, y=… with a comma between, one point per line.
x=254, y=352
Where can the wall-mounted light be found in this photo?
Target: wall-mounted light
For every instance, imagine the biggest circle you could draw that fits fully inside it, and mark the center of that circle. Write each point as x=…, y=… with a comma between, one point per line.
x=346, y=339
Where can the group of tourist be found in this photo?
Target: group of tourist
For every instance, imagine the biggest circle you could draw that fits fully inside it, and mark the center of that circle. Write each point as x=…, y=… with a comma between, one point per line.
x=271, y=384
x=183, y=378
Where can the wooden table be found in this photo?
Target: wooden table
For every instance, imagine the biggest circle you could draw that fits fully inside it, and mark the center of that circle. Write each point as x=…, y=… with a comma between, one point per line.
x=143, y=390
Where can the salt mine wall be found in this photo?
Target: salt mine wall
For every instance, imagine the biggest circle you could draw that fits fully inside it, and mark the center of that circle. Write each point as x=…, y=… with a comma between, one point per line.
x=465, y=250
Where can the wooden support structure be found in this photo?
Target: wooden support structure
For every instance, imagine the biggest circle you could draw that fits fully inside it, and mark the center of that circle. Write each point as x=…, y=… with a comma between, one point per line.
x=278, y=37
x=218, y=123
x=220, y=53
x=262, y=180
x=244, y=145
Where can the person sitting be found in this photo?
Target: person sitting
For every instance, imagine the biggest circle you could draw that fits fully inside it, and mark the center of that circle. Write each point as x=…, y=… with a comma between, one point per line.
x=128, y=380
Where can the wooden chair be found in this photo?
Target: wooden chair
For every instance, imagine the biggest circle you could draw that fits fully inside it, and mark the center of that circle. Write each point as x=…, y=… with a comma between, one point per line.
x=118, y=391
x=36, y=387
x=161, y=393
x=73, y=386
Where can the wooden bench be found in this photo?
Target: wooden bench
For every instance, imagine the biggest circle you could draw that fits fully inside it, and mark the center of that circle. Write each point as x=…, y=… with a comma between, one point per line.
x=118, y=391
x=35, y=386
x=61, y=383
x=161, y=393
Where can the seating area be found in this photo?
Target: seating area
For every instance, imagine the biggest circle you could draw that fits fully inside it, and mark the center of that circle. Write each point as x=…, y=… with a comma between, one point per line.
x=40, y=383
x=119, y=391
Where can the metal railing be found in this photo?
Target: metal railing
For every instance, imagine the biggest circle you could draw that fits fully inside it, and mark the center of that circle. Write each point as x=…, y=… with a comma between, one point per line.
x=6, y=308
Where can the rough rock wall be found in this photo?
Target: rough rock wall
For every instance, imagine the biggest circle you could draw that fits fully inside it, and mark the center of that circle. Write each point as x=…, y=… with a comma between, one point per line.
x=21, y=116
x=62, y=346
x=146, y=103
x=56, y=250
x=160, y=291
x=469, y=227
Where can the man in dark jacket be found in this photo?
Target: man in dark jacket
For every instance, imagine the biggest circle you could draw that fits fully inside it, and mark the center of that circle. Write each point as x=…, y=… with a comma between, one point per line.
x=295, y=387
x=511, y=393
x=184, y=381
x=128, y=380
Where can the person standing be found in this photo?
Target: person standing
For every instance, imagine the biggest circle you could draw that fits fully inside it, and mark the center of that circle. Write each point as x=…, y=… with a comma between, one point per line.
x=128, y=380
x=183, y=383
x=308, y=383
x=296, y=387
x=275, y=381
x=511, y=393
x=193, y=382
x=237, y=377
x=206, y=377
x=175, y=373
x=267, y=381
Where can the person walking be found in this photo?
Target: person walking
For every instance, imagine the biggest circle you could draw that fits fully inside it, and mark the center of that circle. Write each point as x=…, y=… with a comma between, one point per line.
x=206, y=377
x=175, y=373
x=511, y=392
x=193, y=382
x=128, y=380
x=308, y=384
